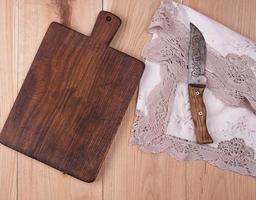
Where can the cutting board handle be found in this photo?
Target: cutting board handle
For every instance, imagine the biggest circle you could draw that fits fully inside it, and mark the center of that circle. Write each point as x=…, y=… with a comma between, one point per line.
x=105, y=27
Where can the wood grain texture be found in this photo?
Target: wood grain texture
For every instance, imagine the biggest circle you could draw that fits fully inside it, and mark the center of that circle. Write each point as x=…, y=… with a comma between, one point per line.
x=130, y=173
x=199, y=113
x=73, y=99
x=8, y=92
x=36, y=180
x=237, y=15
x=203, y=180
x=143, y=176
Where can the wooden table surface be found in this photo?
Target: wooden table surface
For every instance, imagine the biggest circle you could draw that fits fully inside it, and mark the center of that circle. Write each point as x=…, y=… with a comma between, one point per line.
x=127, y=174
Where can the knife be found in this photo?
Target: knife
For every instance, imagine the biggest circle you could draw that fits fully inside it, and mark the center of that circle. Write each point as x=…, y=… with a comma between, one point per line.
x=197, y=83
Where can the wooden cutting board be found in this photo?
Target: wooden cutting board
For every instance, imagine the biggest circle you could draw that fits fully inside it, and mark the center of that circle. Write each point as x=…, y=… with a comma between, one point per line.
x=73, y=99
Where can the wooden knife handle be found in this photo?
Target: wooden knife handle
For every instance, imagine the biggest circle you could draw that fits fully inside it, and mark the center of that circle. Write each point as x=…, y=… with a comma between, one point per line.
x=199, y=113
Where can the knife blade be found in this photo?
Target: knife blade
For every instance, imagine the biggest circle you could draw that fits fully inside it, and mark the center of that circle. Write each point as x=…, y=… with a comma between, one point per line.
x=196, y=84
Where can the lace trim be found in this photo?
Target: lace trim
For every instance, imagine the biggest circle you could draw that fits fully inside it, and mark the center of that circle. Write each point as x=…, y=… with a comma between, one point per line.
x=235, y=75
x=234, y=82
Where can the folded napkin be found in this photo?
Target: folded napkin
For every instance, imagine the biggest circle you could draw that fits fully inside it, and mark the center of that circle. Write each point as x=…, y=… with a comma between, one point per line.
x=164, y=121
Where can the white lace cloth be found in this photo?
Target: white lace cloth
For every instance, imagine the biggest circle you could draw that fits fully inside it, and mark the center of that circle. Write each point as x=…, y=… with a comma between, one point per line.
x=163, y=112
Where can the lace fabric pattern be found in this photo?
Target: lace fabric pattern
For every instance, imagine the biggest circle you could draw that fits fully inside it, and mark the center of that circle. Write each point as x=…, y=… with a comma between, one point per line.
x=231, y=78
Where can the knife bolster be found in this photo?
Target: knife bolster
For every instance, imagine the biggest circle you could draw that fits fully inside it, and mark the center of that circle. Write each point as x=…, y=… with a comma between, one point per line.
x=199, y=114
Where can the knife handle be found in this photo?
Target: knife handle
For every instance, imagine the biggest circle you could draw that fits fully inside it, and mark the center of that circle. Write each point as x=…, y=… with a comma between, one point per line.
x=199, y=113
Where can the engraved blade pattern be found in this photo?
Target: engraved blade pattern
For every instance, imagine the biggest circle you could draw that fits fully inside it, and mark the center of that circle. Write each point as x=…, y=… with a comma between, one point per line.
x=197, y=57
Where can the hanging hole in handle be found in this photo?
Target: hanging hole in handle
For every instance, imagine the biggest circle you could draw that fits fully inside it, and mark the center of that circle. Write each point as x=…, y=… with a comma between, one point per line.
x=108, y=18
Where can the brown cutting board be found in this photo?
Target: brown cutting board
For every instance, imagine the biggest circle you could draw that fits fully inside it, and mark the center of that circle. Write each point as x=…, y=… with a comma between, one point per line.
x=73, y=99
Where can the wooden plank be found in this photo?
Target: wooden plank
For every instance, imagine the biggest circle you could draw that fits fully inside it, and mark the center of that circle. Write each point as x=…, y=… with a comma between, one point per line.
x=207, y=182
x=203, y=180
x=130, y=173
x=237, y=15
x=127, y=179
x=36, y=180
x=8, y=92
